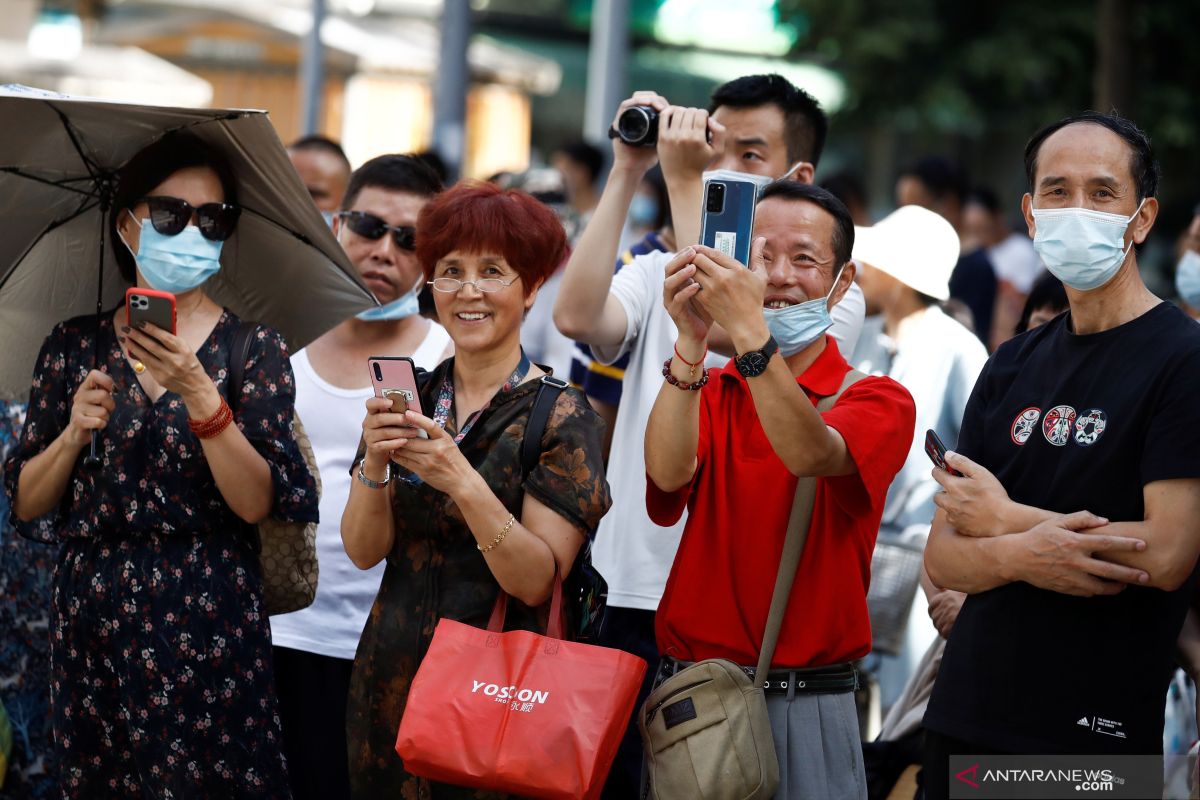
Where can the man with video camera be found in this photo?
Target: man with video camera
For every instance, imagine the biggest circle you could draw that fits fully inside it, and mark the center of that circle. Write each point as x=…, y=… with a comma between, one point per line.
x=758, y=124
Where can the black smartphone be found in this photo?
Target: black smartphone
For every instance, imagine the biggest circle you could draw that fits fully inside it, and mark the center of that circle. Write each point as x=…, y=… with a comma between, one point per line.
x=937, y=452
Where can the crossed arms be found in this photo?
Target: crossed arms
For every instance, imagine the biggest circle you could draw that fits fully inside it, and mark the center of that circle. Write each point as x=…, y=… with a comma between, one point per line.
x=981, y=539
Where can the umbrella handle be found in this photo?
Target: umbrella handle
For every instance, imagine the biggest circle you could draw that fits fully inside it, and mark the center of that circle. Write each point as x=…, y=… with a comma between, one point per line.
x=92, y=461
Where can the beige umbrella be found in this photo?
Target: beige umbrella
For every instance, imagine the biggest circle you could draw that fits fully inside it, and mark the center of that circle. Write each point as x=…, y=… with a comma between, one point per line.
x=58, y=158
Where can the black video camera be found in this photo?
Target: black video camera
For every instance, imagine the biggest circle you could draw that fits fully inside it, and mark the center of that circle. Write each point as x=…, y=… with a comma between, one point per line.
x=637, y=127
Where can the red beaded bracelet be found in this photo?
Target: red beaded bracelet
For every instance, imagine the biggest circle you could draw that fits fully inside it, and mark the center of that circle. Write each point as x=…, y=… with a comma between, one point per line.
x=215, y=425
x=678, y=384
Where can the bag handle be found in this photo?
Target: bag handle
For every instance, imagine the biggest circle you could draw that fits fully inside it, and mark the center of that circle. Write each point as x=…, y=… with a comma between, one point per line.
x=539, y=416
x=554, y=629
x=239, y=354
x=793, y=545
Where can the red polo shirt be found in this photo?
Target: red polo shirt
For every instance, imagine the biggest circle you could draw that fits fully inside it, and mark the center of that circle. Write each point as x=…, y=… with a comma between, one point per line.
x=719, y=592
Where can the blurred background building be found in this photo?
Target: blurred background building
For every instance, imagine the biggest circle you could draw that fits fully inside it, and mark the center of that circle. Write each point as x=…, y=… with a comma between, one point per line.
x=900, y=79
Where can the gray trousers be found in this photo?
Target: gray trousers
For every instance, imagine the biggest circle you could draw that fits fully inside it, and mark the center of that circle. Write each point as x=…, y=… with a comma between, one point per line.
x=817, y=742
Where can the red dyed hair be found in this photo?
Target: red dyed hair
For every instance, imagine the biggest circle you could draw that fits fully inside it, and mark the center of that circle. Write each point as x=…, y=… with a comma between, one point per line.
x=478, y=217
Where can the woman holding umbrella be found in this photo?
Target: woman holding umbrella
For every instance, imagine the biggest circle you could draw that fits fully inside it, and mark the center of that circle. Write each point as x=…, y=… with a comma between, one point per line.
x=161, y=681
x=453, y=514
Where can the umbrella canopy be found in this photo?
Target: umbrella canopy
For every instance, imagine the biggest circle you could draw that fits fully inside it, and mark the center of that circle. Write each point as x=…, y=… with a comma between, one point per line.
x=58, y=156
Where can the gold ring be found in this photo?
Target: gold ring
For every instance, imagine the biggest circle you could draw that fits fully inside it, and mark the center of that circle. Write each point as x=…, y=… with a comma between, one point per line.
x=139, y=367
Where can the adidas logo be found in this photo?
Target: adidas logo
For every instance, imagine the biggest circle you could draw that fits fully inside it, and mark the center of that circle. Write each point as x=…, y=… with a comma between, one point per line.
x=1084, y=722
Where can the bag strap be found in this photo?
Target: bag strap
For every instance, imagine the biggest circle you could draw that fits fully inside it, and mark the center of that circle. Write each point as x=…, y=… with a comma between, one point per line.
x=793, y=545
x=554, y=627
x=539, y=417
x=239, y=354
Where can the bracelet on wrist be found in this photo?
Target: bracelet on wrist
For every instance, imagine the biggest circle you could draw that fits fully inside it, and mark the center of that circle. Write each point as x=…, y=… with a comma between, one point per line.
x=212, y=426
x=695, y=386
x=691, y=365
x=512, y=520
x=370, y=484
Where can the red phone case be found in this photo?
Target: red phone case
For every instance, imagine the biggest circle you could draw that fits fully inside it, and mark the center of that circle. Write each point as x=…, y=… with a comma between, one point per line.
x=150, y=305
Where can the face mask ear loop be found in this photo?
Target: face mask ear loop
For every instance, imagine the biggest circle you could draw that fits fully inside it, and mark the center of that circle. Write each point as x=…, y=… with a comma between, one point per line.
x=836, y=278
x=791, y=171
x=122, y=236
x=1131, y=219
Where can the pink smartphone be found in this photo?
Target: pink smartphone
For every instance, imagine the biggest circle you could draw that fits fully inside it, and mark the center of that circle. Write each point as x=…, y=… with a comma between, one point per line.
x=395, y=377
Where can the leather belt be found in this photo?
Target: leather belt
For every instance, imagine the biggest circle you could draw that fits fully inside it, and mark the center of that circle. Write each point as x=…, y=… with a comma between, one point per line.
x=832, y=679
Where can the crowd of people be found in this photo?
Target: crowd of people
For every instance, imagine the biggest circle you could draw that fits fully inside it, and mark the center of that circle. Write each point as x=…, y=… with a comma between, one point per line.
x=1055, y=602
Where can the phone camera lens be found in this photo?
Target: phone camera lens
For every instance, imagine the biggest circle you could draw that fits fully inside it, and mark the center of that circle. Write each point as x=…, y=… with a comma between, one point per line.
x=378, y=372
x=715, y=202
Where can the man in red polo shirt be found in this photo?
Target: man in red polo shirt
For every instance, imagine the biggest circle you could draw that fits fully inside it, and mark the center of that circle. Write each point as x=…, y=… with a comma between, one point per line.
x=731, y=454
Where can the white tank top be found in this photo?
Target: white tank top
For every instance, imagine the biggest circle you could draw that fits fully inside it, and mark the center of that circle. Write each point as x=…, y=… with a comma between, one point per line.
x=332, y=417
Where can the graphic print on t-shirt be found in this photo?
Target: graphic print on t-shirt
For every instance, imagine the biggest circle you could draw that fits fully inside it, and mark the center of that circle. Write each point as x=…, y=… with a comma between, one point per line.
x=1090, y=426
x=1057, y=425
x=1024, y=424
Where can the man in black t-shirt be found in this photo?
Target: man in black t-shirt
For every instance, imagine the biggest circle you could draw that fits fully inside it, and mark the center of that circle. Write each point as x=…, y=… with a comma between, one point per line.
x=1076, y=525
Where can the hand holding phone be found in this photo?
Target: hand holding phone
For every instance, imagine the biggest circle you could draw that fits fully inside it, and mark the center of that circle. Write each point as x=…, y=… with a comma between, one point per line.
x=937, y=452
x=395, y=377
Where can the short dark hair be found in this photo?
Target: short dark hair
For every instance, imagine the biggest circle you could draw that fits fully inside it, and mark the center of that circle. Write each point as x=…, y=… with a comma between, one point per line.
x=321, y=144
x=847, y=187
x=149, y=168
x=805, y=124
x=943, y=177
x=586, y=155
x=843, y=228
x=1047, y=292
x=393, y=173
x=435, y=162
x=1142, y=166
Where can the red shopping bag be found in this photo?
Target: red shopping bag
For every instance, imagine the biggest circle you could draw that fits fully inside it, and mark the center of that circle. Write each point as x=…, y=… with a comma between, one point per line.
x=518, y=712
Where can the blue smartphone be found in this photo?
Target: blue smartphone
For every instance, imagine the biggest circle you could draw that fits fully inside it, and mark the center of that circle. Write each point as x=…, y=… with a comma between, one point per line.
x=728, y=223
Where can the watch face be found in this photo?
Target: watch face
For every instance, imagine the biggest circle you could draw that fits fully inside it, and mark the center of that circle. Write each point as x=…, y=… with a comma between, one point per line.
x=754, y=363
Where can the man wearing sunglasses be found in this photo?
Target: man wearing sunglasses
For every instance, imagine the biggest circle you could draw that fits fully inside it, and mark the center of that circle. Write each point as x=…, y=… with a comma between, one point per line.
x=314, y=647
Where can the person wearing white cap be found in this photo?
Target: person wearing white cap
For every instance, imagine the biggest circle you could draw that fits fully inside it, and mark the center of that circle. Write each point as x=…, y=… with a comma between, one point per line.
x=905, y=263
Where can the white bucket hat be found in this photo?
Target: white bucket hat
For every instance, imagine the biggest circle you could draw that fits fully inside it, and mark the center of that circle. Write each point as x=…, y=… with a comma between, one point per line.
x=915, y=246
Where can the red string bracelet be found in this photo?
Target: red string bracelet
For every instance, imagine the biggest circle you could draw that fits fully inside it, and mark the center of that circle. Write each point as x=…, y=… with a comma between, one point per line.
x=215, y=425
x=691, y=367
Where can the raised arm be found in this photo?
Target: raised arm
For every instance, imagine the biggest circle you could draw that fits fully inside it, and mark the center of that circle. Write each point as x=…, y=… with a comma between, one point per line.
x=673, y=430
x=585, y=310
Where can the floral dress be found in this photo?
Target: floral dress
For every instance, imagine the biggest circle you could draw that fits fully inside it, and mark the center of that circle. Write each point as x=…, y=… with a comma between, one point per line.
x=25, y=570
x=161, y=682
x=435, y=570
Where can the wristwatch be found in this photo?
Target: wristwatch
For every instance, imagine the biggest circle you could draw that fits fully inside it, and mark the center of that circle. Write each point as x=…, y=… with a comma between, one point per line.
x=755, y=362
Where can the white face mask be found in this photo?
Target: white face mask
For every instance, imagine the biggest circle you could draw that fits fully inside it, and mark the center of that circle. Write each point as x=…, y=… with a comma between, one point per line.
x=1082, y=248
x=760, y=181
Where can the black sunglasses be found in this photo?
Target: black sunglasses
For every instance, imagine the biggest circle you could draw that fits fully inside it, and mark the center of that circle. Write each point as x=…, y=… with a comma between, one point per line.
x=170, y=215
x=372, y=227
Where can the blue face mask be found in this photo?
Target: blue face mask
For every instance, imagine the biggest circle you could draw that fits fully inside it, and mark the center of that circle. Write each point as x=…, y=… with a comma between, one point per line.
x=402, y=307
x=328, y=217
x=643, y=211
x=1082, y=248
x=178, y=263
x=1187, y=278
x=798, y=326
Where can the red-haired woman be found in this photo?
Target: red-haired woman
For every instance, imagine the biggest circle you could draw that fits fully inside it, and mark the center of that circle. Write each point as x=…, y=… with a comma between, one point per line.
x=453, y=514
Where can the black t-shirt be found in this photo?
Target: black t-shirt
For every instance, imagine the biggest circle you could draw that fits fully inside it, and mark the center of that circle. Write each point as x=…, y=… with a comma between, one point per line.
x=1069, y=423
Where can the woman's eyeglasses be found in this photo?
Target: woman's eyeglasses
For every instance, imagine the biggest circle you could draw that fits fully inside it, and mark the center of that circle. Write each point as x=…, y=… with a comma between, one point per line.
x=170, y=215
x=449, y=285
x=372, y=227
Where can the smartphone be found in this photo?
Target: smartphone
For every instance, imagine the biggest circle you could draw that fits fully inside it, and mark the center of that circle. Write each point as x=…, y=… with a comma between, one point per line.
x=395, y=377
x=728, y=222
x=937, y=452
x=150, y=305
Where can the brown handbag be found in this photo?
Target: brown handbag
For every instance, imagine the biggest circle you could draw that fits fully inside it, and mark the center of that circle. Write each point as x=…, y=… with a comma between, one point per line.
x=287, y=550
x=705, y=729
